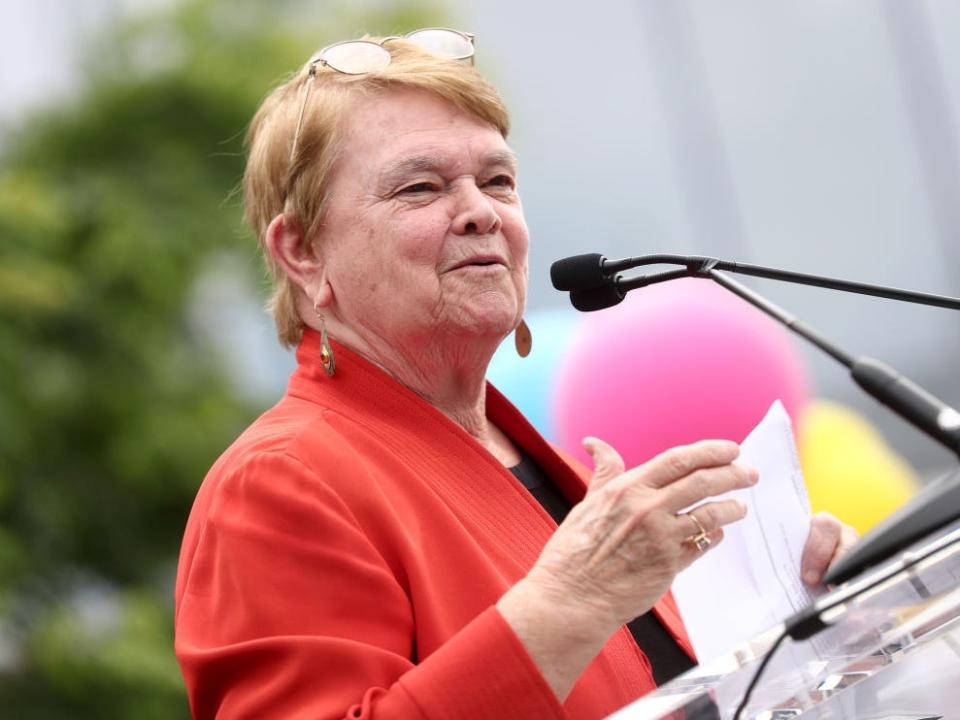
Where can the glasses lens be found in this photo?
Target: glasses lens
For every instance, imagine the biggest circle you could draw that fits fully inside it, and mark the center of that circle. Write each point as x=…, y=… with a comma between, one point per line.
x=355, y=57
x=445, y=43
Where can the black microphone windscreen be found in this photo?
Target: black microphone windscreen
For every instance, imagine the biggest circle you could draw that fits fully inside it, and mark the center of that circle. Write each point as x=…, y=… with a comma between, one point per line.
x=596, y=298
x=578, y=271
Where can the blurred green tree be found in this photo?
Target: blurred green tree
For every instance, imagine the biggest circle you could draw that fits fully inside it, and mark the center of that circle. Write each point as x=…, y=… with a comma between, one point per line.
x=111, y=406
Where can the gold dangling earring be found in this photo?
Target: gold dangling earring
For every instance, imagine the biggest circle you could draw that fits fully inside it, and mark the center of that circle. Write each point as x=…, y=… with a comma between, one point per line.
x=326, y=352
x=523, y=339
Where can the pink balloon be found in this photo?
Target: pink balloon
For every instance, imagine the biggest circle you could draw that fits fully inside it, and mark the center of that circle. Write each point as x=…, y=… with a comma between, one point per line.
x=674, y=363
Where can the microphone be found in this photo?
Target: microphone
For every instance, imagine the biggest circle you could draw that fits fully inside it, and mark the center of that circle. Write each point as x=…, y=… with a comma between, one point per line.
x=580, y=272
x=598, y=298
x=590, y=299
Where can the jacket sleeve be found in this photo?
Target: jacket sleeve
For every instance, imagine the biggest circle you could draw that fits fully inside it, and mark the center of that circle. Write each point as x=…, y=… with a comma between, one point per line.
x=286, y=610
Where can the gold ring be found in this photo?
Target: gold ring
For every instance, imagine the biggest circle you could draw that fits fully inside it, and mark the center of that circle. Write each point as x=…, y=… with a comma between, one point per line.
x=700, y=539
x=700, y=529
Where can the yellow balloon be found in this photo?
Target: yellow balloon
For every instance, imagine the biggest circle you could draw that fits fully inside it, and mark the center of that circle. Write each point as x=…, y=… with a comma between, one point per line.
x=849, y=469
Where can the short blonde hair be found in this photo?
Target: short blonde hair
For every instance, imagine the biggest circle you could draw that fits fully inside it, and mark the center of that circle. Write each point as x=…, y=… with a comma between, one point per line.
x=273, y=183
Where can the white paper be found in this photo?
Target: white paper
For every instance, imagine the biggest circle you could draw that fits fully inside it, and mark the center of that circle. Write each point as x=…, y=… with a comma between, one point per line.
x=751, y=581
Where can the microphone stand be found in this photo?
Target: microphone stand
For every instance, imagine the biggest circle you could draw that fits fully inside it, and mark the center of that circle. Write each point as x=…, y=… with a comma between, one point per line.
x=939, y=503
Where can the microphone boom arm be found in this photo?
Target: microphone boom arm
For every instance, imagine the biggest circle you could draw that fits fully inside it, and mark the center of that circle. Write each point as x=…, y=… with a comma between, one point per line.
x=904, y=397
x=696, y=265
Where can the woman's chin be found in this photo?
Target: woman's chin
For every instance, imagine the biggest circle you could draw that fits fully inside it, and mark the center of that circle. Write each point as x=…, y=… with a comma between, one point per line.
x=493, y=317
x=483, y=327
x=485, y=313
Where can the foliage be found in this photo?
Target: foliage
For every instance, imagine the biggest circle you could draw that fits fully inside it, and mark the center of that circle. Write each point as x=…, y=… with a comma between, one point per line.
x=112, y=405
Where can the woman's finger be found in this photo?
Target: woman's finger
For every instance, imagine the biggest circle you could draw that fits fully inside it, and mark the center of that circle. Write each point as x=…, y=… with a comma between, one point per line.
x=848, y=538
x=607, y=463
x=707, y=482
x=709, y=517
x=822, y=545
x=671, y=465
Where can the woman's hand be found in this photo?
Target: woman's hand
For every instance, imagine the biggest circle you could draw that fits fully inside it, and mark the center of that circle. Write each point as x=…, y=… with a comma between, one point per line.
x=617, y=552
x=828, y=540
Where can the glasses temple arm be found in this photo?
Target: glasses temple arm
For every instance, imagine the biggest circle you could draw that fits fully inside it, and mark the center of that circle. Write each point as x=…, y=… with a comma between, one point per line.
x=303, y=109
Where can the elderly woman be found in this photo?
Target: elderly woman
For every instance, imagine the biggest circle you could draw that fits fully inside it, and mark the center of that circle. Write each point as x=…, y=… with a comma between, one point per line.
x=384, y=542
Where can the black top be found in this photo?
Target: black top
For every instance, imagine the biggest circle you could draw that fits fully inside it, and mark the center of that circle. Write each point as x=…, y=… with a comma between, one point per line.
x=666, y=657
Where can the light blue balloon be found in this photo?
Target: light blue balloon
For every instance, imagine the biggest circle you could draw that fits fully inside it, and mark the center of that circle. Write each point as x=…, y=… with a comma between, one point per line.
x=528, y=382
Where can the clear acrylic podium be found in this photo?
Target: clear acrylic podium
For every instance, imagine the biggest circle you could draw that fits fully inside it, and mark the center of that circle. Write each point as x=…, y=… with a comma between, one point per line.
x=892, y=653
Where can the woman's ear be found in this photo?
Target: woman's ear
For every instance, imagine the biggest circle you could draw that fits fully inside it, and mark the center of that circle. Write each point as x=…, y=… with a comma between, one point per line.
x=294, y=253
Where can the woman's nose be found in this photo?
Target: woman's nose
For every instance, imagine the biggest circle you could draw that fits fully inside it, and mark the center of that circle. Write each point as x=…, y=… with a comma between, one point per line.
x=475, y=213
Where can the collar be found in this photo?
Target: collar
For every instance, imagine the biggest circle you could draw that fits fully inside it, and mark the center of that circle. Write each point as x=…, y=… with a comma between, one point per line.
x=361, y=385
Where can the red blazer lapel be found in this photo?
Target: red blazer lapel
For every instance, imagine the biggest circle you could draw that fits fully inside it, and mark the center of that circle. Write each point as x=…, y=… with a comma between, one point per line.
x=572, y=478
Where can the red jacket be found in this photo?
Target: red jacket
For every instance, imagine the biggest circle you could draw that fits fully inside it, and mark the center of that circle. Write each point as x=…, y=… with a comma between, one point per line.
x=344, y=555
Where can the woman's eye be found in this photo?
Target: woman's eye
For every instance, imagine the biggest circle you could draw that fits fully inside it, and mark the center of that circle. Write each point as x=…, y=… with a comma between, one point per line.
x=420, y=187
x=505, y=181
